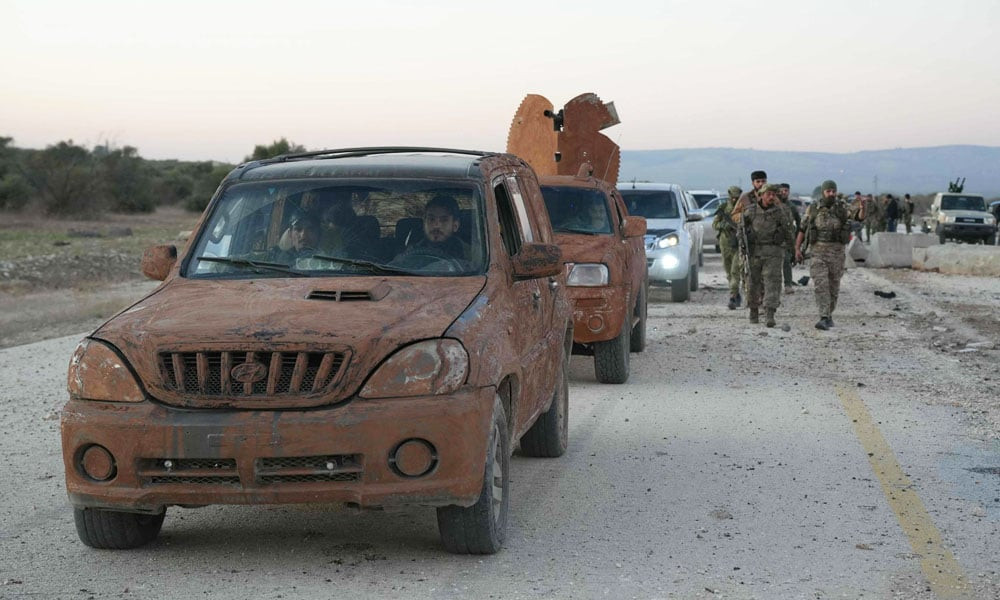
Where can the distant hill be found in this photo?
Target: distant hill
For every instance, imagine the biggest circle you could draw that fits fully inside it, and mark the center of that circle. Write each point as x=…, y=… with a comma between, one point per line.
x=903, y=170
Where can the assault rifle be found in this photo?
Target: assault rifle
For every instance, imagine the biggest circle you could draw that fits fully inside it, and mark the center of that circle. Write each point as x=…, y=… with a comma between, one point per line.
x=744, y=249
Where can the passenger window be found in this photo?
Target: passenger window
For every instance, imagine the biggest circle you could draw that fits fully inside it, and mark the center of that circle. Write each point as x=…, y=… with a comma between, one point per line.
x=522, y=212
x=509, y=232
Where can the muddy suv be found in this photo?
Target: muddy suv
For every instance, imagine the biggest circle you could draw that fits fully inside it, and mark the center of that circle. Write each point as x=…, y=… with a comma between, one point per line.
x=606, y=261
x=963, y=217
x=370, y=327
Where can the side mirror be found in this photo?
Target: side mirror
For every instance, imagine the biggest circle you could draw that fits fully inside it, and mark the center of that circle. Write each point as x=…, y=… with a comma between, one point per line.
x=695, y=216
x=537, y=260
x=157, y=261
x=635, y=227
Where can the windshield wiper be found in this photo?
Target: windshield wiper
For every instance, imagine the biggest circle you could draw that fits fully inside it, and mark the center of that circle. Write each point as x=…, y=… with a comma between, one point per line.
x=255, y=264
x=367, y=264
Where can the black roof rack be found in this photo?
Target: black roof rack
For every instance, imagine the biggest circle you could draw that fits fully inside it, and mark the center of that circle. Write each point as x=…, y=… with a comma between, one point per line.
x=350, y=152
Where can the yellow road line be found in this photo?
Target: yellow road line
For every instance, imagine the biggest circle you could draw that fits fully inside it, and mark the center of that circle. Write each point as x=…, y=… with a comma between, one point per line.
x=943, y=573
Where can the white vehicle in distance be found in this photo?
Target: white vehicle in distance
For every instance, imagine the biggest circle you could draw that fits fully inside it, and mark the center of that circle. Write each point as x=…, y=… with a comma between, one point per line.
x=673, y=234
x=703, y=197
x=710, y=237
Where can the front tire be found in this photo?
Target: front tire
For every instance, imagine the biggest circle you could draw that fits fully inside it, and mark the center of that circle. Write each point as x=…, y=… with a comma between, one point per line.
x=116, y=530
x=941, y=238
x=482, y=527
x=680, y=289
x=637, y=343
x=611, y=358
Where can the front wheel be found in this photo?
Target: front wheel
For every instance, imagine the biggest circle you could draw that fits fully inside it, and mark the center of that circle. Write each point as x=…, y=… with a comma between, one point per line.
x=941, y=238
x=611, y=358
x=116, y=530
x=482, y=527
x=637, y=343
x=990, y=241
x=680, y=289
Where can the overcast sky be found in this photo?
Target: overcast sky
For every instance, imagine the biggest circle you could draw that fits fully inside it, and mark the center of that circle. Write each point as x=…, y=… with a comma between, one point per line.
x=210, y=79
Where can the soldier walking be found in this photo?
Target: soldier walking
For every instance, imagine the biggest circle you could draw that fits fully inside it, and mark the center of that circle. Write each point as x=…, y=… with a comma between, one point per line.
x=873, y=214
x=908, y=213
x=769, y=231
x=826, y=230
x=725, y=226
x=784, y=190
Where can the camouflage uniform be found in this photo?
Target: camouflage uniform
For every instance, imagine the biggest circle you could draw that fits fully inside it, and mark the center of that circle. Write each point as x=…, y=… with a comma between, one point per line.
x=786, y=267
x=873, y=215
x=769, y=231
x=827, y=229
x=908, y=214
x=728, y=244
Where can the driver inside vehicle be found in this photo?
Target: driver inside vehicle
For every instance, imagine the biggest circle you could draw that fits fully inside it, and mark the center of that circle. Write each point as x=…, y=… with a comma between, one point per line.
x=441, y=223
x=304, y=233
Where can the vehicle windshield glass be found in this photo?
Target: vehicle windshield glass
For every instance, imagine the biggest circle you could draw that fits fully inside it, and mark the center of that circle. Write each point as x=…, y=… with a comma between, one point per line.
x=577, y=210
x=323, y=228
x=712, y=205
x=652, y=204
x=963, y=203
x=703, y=199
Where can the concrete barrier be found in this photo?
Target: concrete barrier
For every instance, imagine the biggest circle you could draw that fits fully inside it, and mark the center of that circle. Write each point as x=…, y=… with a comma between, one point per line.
x=896, y=249
x=857, y=251
x=956, y=259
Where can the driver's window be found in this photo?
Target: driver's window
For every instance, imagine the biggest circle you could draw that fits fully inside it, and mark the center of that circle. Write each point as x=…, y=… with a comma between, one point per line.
x=509, y=232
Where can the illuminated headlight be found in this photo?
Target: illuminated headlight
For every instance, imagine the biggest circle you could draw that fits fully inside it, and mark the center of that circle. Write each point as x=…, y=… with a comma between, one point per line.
x=666, y=241
x=669, y=261
x=949, y=219
x=588, y=274
x=426, y=368
x=97, y=373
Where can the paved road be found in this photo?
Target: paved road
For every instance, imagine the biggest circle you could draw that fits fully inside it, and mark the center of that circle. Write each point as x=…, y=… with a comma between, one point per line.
x=738, y=462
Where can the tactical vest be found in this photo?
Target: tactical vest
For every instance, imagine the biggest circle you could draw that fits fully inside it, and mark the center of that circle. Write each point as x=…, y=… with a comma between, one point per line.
x=766, y=226
x=828, y=224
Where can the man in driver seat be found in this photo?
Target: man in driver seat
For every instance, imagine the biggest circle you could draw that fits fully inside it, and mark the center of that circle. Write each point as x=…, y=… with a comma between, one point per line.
x=441, y=223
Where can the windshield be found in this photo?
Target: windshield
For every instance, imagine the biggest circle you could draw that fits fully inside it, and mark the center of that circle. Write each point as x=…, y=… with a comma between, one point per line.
x=703, y=199
x=963, y=203
x=326, y=228
x=577, y=210
x=652, y=204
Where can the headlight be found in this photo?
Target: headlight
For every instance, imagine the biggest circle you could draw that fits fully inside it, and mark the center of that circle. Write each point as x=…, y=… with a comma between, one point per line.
x=426, y=368
x=97, y=373
x=671, y=239
x=949, y=219
x=588, y=274
x=669, y=261
x=989, y=220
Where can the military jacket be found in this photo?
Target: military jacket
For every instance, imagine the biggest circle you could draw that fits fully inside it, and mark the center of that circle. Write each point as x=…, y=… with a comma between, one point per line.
x=827, y=224
x=747, y=199
x=721, y=223
x=770, y=230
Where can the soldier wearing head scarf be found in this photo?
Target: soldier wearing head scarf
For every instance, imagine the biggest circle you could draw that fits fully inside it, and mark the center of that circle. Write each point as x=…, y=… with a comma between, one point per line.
x=725, y=226
x=770, y=232
x=826, y=229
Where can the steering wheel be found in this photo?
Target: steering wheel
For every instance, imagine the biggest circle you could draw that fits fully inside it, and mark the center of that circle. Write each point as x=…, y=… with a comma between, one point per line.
x=425, y=257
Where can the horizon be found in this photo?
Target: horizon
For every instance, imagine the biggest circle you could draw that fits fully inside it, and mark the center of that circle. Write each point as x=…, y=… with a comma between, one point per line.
x=198, y=81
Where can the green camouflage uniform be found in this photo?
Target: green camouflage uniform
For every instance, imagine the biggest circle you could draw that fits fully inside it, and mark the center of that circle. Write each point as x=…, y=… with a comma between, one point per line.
x=827, y=229
x=728, y=244
x=786, y=266
x=873, y=214
x=770, y=232
x=908, y=214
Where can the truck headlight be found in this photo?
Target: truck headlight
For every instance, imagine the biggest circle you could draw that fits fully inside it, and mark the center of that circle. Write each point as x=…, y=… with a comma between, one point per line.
x=588, y=275
x=948, y=219
x=96, y=372
x=666, y=241
x=990, y=220
x=425, y=368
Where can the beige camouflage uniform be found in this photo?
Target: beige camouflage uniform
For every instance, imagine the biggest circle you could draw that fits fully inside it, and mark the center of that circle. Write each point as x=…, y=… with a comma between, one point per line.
x=827, y=229
x=771, y=232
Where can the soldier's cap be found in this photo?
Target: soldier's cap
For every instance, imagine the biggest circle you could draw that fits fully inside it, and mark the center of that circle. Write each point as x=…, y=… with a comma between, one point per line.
x=829, y=184
x=735, y=191
x=758, y=175
x=857, y=193
x=784, y=186
x=770, y=187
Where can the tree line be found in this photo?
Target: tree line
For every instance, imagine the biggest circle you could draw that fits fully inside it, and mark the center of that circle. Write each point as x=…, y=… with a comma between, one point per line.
x=67, y=179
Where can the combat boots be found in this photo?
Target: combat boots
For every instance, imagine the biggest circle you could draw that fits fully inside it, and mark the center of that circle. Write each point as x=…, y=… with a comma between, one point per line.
x=824, y=323
x=754, y=314
x=770, y=318
x=733, y=303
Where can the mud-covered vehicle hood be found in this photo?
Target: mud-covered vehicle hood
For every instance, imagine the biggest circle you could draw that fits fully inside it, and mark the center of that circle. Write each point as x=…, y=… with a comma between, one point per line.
x=582, y=248
x=362, y=319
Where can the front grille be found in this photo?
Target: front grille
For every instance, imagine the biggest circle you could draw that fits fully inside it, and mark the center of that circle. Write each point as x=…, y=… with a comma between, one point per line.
x=189, y=471
x=309, y=469
x=239, y=373
x=968, y=220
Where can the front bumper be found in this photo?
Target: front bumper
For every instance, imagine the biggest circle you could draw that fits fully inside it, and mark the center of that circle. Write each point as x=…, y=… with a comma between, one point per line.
x=598, y=313
x=331, y=455
x=665, y=265
x=968, y=230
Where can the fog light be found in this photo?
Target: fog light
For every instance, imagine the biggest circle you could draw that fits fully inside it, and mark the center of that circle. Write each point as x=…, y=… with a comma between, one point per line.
x=97, y=463
x=413, y=458
x=595, y=323
x=669, y=261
